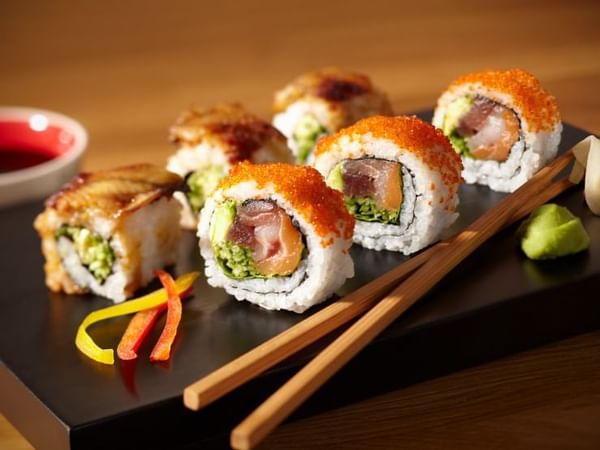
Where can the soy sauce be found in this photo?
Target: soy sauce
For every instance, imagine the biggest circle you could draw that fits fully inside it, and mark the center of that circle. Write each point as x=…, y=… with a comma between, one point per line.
x=17, y=159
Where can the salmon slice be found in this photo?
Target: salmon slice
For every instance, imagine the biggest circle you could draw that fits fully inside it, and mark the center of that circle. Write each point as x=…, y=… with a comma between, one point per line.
x=378, y=178
x=288, y=249
x=265, y=228
x=490, y=130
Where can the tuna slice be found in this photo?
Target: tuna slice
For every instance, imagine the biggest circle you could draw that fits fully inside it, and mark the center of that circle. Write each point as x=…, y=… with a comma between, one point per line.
x=490, y=129
x=268, y=231
x=375, y=178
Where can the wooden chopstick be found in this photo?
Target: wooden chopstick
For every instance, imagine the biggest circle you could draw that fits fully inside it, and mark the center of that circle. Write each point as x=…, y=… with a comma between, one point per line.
x=247, y=366
x=284, y=401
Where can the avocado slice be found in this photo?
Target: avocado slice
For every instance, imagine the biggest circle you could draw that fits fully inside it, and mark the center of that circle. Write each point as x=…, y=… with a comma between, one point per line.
x=455, y=111
x=306, y=133
x=335, y=178
x=222, y=219
x=201, y=184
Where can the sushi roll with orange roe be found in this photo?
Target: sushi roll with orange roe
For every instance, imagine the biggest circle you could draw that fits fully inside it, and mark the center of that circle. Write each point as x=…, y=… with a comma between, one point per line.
x=322, y=102
x=504, y=125
x=277, y=236
x=400, y=179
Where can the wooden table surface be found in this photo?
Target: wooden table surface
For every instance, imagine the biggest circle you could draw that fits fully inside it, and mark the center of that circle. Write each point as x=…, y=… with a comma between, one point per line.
x=125, y=70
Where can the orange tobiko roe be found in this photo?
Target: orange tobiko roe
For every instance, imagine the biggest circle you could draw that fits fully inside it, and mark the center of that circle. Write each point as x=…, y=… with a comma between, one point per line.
x=538, y=106
x=304, y=188
x=410, y=133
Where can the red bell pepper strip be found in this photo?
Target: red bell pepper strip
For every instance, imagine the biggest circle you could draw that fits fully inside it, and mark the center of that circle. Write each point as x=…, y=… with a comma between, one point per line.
x=86, y=344
x=162, y=349
x=138, y=329
x=136, y=332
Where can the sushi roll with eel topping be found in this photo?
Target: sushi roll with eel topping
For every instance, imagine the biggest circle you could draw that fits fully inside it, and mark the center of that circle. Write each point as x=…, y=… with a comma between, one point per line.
x=209, y=142
x=504, y=125
x=400, y=179
x=323, y=102
x=277, y=236
x=107, y=232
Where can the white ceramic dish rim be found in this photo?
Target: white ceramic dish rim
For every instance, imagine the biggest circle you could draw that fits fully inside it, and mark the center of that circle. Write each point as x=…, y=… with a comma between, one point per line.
x=22, y=114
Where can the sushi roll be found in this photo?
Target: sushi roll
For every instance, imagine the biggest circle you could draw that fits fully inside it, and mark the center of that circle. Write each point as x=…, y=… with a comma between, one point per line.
x=504, y=125
x=107, y=232
x=209, y=142
x=323, y=102
x=277, y=236
x=400, y=179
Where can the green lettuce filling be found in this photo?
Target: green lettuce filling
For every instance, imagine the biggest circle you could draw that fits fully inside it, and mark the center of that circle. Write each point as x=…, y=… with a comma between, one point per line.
x=236, y=261
x=306, y=133
x=365, y=209
x=460, y=144
x=201, y=184
x=93, y=250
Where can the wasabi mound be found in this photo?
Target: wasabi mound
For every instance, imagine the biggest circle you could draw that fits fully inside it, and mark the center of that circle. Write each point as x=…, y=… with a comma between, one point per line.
x=552, y=231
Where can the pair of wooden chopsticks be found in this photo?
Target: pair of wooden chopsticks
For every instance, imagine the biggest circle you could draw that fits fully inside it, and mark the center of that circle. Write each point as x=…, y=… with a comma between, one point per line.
x=427, y=268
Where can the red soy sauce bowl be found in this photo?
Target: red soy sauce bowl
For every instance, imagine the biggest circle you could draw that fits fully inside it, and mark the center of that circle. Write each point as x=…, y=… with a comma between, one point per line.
x=39, y=152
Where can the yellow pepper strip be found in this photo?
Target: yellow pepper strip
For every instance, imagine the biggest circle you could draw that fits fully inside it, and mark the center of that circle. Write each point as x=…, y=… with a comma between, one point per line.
x=86, y=344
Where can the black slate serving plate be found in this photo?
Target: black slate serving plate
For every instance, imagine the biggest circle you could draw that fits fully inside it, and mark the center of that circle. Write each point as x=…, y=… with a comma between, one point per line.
x=495, y=303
